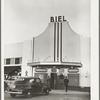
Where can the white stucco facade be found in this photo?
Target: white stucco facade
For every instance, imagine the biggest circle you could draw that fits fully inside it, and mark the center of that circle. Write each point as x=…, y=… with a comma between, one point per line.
x=75, y=48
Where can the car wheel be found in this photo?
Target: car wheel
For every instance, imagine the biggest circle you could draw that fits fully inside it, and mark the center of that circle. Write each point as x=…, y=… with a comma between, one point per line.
x=12, y=95
x=47, y=92
x=28, y=94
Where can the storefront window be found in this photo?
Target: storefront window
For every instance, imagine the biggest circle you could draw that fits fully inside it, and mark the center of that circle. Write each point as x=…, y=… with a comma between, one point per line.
x=8, y=61
x=18, y=60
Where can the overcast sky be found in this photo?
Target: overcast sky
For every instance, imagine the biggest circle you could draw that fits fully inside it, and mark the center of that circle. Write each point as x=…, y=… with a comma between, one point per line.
x=24, y=19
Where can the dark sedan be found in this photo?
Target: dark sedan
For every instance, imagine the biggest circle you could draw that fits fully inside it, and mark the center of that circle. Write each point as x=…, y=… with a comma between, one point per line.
x=27, y=86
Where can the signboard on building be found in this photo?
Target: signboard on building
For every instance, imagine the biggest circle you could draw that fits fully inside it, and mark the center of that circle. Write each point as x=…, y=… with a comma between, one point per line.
x=73, y=70
x=61, y=71
x=54, y=70
x=41, y=70
x=57, y=19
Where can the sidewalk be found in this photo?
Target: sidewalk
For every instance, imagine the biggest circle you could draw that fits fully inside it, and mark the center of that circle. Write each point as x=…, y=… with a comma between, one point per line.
x=68, y=92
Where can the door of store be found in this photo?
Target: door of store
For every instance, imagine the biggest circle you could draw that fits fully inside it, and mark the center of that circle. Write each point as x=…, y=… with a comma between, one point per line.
x=60, y=82
x=53, y=80
x=73, y=79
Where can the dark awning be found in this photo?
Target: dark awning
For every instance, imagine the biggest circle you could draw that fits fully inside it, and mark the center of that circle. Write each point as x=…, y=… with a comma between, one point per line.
x=11, y=69
x=57, y=64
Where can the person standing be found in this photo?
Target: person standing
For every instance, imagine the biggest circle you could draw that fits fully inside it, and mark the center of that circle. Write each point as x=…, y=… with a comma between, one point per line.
x=49, y=82
x=66, y=81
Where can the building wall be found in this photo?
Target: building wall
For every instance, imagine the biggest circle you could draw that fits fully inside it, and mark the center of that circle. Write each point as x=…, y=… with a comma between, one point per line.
x=27, y=57
x=13, y=58
x=70, y=44
x=44, y=45
x=13, y=50
x=24, y=50
x=75, y=48
x=85, y=71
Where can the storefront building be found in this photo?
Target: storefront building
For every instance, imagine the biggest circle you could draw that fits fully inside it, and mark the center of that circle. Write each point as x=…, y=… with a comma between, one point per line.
x=57, y=52
x=12, y=59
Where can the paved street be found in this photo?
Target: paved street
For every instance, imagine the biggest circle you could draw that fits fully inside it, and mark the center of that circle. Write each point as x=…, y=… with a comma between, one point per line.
x=54, y=95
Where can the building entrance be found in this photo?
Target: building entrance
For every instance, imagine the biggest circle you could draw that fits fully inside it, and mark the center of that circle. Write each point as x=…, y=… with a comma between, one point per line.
x=60, y=82
x=53, y=80
x=42, y=76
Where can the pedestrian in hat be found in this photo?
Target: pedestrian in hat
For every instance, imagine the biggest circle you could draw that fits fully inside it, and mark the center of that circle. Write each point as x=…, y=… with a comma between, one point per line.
x=66, y=81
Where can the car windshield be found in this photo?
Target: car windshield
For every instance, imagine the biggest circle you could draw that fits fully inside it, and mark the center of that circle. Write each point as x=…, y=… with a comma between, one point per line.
x=11, y=78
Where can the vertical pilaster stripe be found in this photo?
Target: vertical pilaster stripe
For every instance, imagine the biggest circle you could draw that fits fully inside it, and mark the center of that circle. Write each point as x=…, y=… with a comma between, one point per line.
x=54, y=42
x=33, y=51
x=57, y=41
x=61, y=42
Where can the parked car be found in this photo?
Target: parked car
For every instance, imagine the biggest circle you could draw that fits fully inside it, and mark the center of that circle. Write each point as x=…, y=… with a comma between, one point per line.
x=5, y=85
x=10, y=80
x=27, y=86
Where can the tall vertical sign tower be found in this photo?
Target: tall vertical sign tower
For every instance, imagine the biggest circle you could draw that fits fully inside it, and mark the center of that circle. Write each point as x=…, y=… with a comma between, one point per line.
x=57, y=37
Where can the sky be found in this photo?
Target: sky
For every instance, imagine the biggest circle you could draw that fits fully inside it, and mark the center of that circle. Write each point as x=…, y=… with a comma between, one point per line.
x=24, y=19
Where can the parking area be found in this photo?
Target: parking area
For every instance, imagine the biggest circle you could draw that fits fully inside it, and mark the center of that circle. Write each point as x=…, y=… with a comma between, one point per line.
x=54, y=95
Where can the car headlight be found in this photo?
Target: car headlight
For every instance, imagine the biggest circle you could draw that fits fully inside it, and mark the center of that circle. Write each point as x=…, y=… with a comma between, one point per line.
x=45, y=86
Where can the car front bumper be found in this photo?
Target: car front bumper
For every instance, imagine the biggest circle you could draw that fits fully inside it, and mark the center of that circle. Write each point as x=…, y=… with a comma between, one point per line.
x=14, y=92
